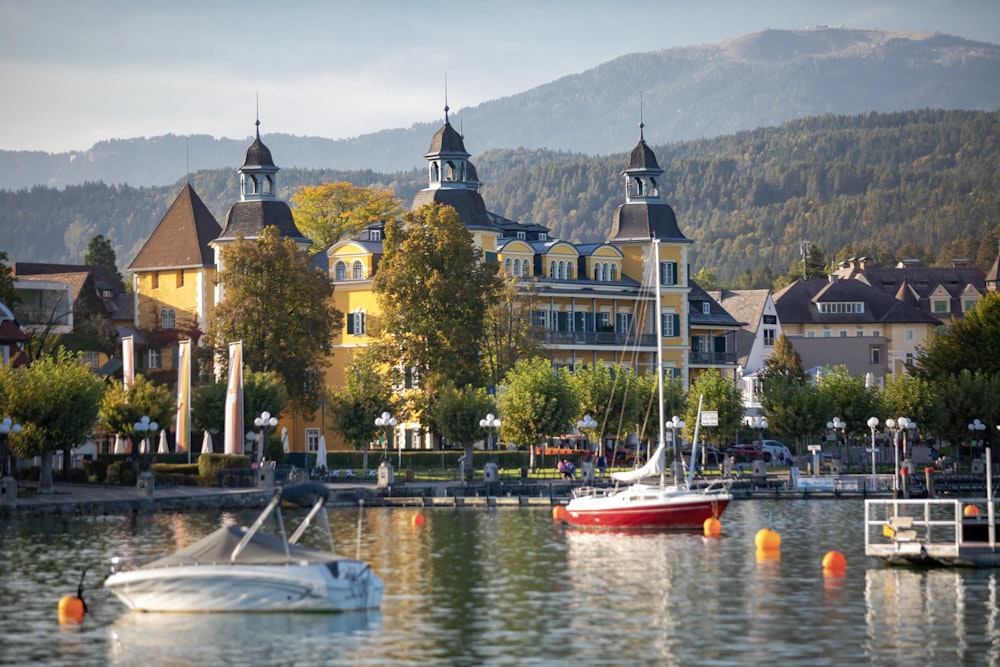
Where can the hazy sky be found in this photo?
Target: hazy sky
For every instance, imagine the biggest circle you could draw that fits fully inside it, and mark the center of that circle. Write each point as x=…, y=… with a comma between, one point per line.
x=74, y=72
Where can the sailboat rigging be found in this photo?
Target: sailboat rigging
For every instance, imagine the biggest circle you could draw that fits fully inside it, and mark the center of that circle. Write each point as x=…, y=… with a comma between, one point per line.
x=640, y=505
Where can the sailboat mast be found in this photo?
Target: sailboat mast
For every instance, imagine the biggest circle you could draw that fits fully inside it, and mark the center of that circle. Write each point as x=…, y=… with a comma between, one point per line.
x=659, y=361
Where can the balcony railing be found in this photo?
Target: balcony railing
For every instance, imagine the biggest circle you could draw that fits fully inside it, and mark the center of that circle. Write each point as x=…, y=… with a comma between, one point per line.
x=712, y=358
x=597, y=338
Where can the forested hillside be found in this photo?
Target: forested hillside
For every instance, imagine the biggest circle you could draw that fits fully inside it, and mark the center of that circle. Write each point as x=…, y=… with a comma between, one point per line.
x=922, y=184
x=755, y=80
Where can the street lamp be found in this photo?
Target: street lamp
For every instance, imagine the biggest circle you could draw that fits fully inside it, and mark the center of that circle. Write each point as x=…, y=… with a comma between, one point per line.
x=675, y=467
x=838, y=425
x=975, y=432
x=585, y=424
x=264, y=422
x=873, y=424
x=492, y=423
x=759, y=424
x=388, y=422
x=148, y=429
x=7, y=426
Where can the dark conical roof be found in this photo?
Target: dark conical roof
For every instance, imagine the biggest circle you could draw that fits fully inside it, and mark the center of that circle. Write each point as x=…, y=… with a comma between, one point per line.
x=249, y=218
x=637, y=221
x=258, y=155
x=182, y=236
x=643, y=158
x=446, y=140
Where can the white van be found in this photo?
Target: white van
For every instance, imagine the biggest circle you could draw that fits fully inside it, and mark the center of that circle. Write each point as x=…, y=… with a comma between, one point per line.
x=779, y=454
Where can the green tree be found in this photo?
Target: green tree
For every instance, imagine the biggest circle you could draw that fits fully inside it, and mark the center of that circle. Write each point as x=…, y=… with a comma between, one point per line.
x=538, y=402
x=261, y=392
x=847, y=397
x=508, y=334
x=433, y=289
x=794, y=410
x=906, y=395
x=56, y=400
x=101, y=254
x=705, y=277
x=332, y=211
x=719, y=394
x=8, y=296
x=367, y=392
x=281, y=308
x=783, y=362
x=456, y=415
x=972, y=342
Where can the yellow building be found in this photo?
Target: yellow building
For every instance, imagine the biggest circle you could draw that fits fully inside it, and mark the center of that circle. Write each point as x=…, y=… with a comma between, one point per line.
x=173, y=280
x=593, y=301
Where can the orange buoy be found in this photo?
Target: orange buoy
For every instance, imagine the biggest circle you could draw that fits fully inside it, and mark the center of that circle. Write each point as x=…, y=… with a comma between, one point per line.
x=71, y=609
x=971, y=510
x=712, y=527
x=558, y=513
x=418, y=520
x=834, y=562
x=767, y=540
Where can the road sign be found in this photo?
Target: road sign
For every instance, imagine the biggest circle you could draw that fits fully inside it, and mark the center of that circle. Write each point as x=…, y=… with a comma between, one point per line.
x=709, y=417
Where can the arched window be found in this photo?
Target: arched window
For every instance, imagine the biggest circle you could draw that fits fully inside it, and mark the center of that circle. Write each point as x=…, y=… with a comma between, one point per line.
x=597, y=272
x=552, y=269
x=604, y=271
x=614, y=273
x=508, y=266
x=435, y=172
x=269, y=185
x=517, y=267
x=340, y=271
x=450, y=173
x=357, y=270
x=168, y=318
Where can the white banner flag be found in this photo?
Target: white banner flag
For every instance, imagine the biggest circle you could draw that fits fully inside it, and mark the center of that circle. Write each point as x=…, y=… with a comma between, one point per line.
x=234, y=400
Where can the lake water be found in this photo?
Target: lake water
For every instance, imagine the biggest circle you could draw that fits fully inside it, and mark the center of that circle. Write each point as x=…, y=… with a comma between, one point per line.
x=507, y=586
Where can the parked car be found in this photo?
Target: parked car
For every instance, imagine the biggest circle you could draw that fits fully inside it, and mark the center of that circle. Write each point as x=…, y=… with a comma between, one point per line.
x=744, y=453
x=778, y=452
x=711, y=457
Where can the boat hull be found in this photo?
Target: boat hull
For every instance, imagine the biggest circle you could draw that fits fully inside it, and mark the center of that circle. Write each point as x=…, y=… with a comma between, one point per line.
x=250, y=588
x=648, y=510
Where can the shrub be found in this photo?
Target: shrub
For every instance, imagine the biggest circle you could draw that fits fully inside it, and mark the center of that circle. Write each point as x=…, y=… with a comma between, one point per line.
x=210, y=464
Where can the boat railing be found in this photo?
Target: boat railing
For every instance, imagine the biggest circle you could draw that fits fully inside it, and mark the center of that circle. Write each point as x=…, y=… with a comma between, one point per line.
x=894, y=526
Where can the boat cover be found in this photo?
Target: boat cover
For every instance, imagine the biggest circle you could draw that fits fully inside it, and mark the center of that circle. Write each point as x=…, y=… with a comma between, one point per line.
x=263, y=549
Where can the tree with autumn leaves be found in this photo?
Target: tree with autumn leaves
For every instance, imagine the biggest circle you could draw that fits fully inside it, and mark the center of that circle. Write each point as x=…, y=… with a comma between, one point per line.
x=330, y=212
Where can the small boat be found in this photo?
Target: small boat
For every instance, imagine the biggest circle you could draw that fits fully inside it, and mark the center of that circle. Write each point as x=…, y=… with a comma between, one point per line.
x=644, y=506
x=239, y=568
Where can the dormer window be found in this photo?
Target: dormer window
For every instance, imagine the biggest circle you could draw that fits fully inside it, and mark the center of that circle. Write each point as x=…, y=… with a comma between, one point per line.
x=522, y=235
x=542, y=236
x=375, y=235
x=706, y=308
x=841, y=307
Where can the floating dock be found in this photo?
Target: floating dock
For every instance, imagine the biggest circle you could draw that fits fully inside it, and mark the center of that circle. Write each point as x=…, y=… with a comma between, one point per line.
x=931, y=532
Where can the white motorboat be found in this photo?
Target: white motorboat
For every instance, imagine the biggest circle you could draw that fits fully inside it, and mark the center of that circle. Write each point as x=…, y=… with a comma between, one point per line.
x=239, y=568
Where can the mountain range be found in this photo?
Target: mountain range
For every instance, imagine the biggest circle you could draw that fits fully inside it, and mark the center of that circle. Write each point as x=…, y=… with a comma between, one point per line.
x=756, y=80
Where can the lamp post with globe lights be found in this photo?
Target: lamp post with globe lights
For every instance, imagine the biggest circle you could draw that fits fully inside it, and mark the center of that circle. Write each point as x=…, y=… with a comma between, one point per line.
x=873, y=424
x=148, y=429
x=7, y=426
x=976, y=429
x=492, y=426
x=838, y=424
x=583, y=426
x=388, y=422
x=263, y=422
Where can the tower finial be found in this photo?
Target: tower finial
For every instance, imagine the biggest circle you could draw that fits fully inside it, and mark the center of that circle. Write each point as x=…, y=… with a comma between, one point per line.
x=446, y=99
x=257, y=121
x=641, y=124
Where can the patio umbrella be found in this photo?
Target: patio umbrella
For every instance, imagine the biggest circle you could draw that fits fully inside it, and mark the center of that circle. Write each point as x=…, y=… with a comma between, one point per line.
x=206, y=443
x=119, y=444
x=284, y=438
x=163, y=448
x=321, y=453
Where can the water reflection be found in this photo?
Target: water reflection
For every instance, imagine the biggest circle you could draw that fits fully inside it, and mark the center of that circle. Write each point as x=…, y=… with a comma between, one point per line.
x=239, y=639
x=510, y=587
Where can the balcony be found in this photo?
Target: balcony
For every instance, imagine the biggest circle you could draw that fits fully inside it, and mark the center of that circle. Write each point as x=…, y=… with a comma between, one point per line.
x=712, y=358
x=609, y=338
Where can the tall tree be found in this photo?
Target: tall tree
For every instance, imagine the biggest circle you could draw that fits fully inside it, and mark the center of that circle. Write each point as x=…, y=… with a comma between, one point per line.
x=367, y=392
x=56, y=400
x=456, y=415
x=433, y=289
x=970, y=343
x=281, y=308
x=539, y=402
x=508, y=334
x=794, y=410
x=784, y=362
x=101, y=254
x=847, y=397
x=7, y=295
x=261, y=392
x=718, y=394
x=332, y=211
